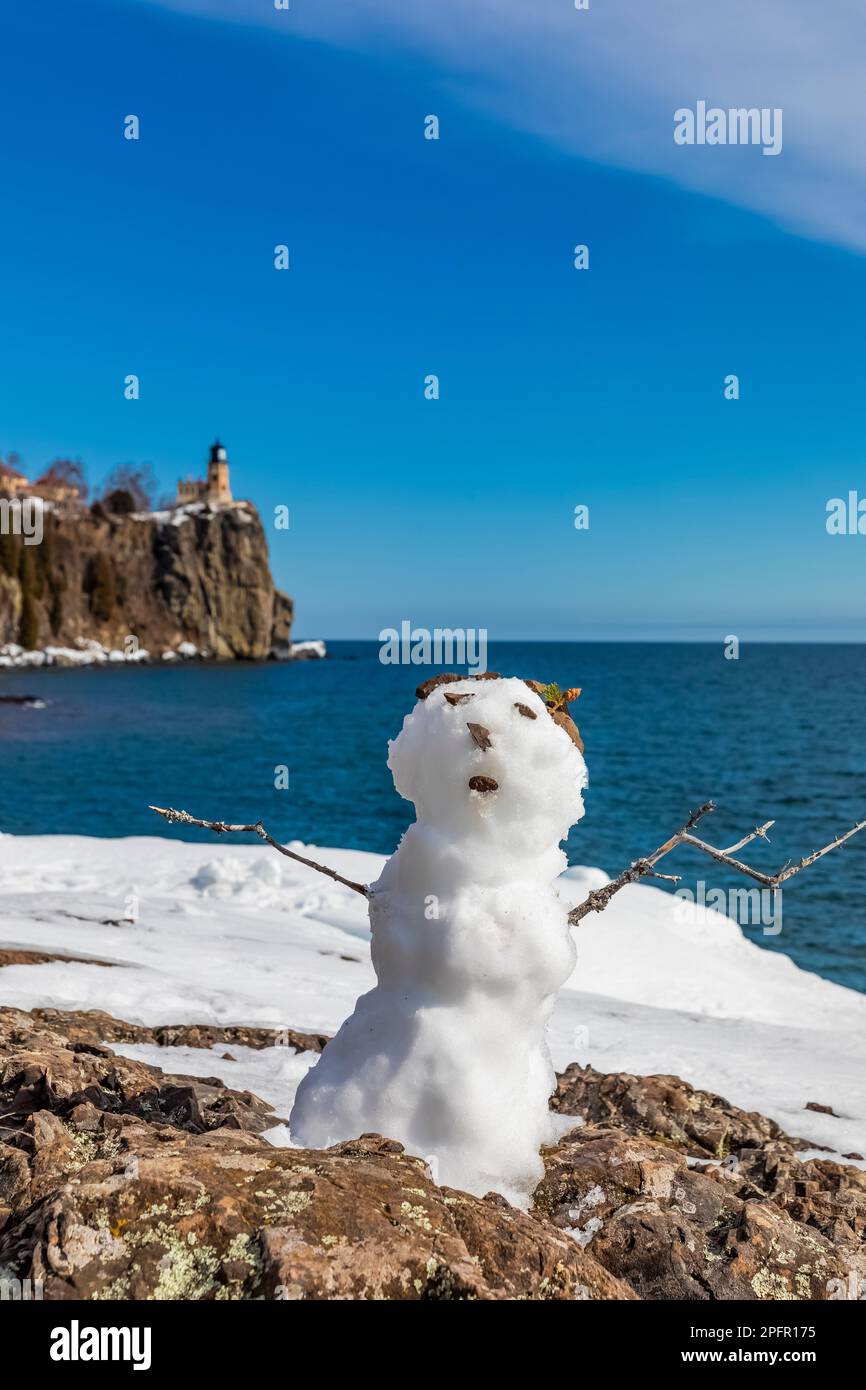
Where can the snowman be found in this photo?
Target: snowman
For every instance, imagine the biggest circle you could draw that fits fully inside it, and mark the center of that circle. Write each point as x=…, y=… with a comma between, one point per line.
x=469, y=943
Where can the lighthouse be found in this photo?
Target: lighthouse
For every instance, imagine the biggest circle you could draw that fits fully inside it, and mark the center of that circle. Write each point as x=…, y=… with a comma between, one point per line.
x=214, y=488
x=218, y=489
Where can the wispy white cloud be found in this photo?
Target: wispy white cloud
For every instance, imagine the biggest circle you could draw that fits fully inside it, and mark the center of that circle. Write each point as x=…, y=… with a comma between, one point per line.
x=604, y=83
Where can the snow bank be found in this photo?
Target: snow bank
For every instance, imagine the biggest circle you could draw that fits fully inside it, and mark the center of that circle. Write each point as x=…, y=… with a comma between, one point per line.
x=229, y=933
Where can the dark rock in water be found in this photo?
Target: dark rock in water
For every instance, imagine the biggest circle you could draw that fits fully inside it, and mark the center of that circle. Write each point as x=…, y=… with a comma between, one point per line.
x=33, y=701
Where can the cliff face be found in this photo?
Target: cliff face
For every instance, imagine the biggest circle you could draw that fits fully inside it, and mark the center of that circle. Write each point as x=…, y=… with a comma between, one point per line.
x=200, y=577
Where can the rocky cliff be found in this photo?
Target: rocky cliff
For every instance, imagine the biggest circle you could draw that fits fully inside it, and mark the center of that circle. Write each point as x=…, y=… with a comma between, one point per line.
x=197, y=575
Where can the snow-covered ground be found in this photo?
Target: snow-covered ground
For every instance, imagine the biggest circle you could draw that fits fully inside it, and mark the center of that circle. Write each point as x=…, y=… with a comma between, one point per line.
x=229, y=933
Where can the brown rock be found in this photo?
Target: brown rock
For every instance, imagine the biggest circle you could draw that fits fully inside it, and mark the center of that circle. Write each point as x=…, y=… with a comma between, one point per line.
x=433, y=683
x=50, y=1081
x=225, y=1215
x=819, y=1193
x=92, y=1026
x=480, y=736
x=663, y=1108
x=120, y=1181
x=672, y=1232
x=14, y=955
x=483, y=784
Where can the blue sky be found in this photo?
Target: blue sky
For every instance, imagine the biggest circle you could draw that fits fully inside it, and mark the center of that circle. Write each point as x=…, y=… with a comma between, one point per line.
x=453, y=257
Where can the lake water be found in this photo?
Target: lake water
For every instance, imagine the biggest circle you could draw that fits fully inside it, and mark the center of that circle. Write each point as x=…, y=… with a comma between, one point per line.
x=777, y=734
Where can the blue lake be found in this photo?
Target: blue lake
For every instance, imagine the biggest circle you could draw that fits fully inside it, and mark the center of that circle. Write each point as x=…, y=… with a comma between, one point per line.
x=777, y=734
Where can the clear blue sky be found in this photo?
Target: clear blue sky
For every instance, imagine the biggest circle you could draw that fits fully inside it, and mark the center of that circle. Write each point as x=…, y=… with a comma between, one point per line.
x=410, y=257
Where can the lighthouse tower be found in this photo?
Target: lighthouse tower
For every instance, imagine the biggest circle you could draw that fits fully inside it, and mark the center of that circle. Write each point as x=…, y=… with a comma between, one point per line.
x=218, y=489
x=214, y=488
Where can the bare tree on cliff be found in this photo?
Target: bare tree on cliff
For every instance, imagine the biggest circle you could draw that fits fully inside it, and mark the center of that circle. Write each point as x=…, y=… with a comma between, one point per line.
x=65, y=473
x=135, y=480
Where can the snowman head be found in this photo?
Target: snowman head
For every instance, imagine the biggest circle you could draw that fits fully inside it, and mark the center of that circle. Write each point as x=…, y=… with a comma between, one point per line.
x=490, y=767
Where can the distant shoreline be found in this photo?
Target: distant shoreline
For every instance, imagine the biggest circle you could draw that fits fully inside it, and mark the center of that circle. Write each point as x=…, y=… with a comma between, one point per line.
x=92, y=655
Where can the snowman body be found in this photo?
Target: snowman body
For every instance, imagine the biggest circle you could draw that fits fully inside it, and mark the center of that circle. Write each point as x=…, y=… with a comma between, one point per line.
x=469, y=943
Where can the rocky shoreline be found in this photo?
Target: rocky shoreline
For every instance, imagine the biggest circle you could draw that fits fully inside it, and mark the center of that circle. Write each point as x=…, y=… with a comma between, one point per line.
x=121, y=1181
x=89, y=652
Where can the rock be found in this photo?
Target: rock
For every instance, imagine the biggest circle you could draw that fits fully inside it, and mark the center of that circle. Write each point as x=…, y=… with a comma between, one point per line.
x=117, y=1182
x=664, y=1108
x=763, y=1223
x=821, y=1109
x=15, y=955
x=94, y=1026
x=433, y=682
x=55, y=1080
x=448, y=678
x=480, y=736
x=483, y=784
x=120, y=1181
x=819, y=1193
x=673, y=1232
x=307, y=651
x=226, y=1216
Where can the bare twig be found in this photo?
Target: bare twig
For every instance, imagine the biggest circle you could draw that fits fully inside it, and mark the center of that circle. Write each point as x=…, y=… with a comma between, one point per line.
x=221, y=828
x=599, y=898
x=760, y=832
